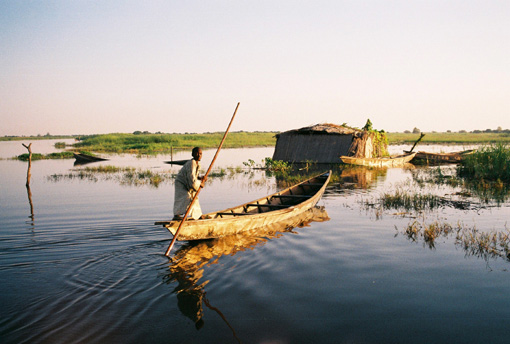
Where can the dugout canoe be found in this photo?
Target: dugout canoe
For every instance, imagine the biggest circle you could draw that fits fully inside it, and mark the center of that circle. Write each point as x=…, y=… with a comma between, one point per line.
x=278, y=207
x=441, y=158
x=177, y=162
x=85, y=158
x=392, y=161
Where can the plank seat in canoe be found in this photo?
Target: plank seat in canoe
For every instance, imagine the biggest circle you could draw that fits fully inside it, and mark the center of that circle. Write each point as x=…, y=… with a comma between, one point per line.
x=291, y=196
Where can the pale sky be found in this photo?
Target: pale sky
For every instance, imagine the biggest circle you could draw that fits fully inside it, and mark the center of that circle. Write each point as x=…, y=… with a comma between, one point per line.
x=92, y=67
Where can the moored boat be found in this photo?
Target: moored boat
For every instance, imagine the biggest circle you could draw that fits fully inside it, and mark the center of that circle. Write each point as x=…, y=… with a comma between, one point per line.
x=177, y=162
x=392, y=161
x=85, y=158
x=441, y=158
x=278, y=207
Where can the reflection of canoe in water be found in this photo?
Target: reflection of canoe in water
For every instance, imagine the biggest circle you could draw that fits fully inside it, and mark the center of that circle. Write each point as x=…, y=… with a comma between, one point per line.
x=197, y=253
x=392, y=161
x=280, y=206
x=85, y=158
x=191, y=259
x=441, y=158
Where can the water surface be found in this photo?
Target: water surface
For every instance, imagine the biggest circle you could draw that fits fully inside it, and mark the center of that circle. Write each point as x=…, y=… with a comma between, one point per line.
x=82, y=262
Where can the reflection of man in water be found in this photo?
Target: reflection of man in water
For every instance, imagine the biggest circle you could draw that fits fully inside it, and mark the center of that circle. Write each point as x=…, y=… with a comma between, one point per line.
x=187, y=184
x=190, y=304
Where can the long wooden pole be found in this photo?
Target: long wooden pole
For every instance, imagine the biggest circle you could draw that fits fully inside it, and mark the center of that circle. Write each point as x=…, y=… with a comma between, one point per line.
x=167, y=253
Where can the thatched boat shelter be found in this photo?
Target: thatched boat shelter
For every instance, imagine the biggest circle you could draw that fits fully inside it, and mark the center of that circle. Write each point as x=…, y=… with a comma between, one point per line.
x=325, y=143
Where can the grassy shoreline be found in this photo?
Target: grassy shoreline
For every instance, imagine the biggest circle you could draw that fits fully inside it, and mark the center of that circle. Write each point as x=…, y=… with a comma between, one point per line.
x=164, y=143
x=450, y=138
x=146, y=143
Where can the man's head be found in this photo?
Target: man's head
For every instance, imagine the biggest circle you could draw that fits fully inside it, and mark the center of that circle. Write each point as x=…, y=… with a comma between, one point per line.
x=197, y=153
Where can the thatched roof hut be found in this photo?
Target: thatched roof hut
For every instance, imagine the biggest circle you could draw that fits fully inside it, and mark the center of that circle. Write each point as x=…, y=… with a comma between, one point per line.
x=324, y=143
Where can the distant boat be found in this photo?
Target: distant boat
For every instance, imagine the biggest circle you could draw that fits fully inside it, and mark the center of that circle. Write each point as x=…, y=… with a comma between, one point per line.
x=82, y=159
x=281, y=206
x=441, y=158
x=392, y=161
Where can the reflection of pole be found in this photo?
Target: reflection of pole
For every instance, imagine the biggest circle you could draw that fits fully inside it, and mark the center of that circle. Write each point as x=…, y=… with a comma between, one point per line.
x=29, y=174
x=29, y=147
x=31, y=204
x=222, y=316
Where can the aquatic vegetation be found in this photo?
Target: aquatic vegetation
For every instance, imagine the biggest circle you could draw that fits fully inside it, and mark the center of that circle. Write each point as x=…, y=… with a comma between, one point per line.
x=124, y=175
x=483, y=244
x=402, y=199
x=277, y=168
x=136, y=177
x=405, y=200
x=107, y=169
x=38, y=156
x=481, y=189
x=490, y=163
x=277, y=165
x=416, y=230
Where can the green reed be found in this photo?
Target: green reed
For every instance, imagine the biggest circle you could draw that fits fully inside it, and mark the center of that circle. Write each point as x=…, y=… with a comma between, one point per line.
x=491, y=163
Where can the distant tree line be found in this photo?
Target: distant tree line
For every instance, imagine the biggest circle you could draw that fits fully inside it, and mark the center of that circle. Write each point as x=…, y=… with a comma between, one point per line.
x=497, y=131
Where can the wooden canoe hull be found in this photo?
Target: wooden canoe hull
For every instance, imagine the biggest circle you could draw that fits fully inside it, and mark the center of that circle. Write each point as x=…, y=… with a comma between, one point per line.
x=85, y=159
x=177, y=162
x=441, y=158
x=237, y=220
x=394, y=161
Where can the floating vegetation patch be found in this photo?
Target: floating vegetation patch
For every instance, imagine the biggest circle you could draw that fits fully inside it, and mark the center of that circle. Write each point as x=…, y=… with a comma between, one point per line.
x=416, y=231
x=135, y=176
x=270, y=165
x=486, y=245
x=483, y=190
x=404, y=200
x=288, y=174
x=123, y=175
x=227, y=172
x=38, y=156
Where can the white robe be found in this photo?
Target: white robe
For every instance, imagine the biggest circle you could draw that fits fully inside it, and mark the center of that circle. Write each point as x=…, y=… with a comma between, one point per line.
x=186, y=185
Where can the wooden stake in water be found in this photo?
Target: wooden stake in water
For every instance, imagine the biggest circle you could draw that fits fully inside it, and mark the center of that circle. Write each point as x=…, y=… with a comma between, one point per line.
x=167, y=253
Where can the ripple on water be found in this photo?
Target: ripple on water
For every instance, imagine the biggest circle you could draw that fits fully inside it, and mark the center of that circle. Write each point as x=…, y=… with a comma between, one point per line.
x=94, y=299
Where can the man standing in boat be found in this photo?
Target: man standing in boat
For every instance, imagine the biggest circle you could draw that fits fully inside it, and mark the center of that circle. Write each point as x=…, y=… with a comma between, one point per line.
x=187, y=184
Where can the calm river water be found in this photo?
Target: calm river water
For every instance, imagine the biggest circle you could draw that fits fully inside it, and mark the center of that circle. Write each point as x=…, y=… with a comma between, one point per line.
x=81, y=261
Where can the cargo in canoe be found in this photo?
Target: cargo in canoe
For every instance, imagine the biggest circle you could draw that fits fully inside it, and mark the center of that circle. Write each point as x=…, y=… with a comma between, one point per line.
x=392, y=161
x=278, y=207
